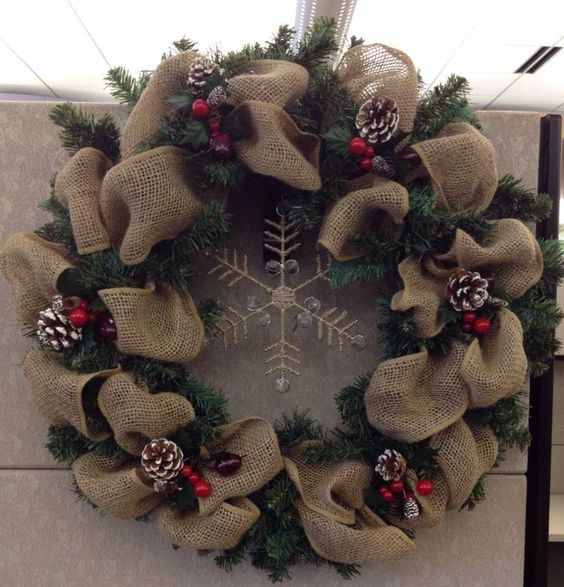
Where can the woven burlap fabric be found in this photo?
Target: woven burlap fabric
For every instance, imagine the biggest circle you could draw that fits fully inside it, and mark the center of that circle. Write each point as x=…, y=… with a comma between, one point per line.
x=414, y=396
x=269, y=80
x=156, y=322
x=169, y=79
x=495, y=366
x=114, y=486
x=368, y=539
x=273, y=145
x=255, y=441
x=32, y=266
x=510, y=251
x=59, y=393
x=367, y=71
x=77, y=187
x=371, y=203
x=136, y=416
x=335, y=490
x=222, y=529
x=147, y=199
x=460, y=163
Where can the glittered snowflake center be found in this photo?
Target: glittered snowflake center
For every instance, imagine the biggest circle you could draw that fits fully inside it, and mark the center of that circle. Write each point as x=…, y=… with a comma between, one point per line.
x=283, y=297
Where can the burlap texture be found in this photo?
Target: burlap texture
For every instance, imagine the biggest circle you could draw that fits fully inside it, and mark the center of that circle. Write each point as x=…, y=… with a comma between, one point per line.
x=59, y=393
x=168, y=79
x=367, y=71
x=273, y=145
x=114, y=486
x=371, y=201
x=147, y=199
x=32, y=266
x=255, y=441
x=136, y=416
x=414, y=396
x=460, y=163
x=155, y=322
x=222, y=529
x=269, y=80
x=495, y=366
x=77, y=187
x=368, y=539
x=334, y=490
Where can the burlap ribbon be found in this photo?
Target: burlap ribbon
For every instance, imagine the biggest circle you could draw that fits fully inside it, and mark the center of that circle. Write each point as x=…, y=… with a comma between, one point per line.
x=157, y=322
x=337, y=523
x=32, y=266
x=59, y=393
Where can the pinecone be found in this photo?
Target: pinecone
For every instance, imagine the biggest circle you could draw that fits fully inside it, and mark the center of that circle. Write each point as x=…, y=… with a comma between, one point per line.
x=167, y=488
x=410, y=508
x=217, y=97
x=466, y=290
x=377, y=120
x=162, y=459
x=199, y=70
x=391, y=465
x=382, y=167
x=54, y=328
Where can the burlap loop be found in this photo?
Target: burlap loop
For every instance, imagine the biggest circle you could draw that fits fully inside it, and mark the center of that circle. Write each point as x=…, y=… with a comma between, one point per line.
x=147, y=199
x=136, y=416
x=167, y=80
x=372, y=202
x=114, y=486
x=60, y=393
x=255, y=440
x=460, y=163
x=367, y=71
x=495, y=367
x=155, y=322
x=32, y=266
x=222, y=529
x=77, y=187
x=368, y=539
x=269, y=80
x=335, y=490
x=414, y=396
x=273, y=145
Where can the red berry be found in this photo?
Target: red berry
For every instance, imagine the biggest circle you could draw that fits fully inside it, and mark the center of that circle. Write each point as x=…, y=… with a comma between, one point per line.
x=469, y=316
x=365, y=164
x=194, y=477
x=409, y=494
x=214, y=125
x=397, y=486
x=424, y=487
x=387, y=495
x=84, y=304
x=215, y=133
x=186, y=471
x=200, y=108
x=467, y=327
x=383, y=489
x=482, y=325
x=368, y=153
x=357, y=146
x=201, y=488
x=410, y=157
x=78, y=316
x=222, y=146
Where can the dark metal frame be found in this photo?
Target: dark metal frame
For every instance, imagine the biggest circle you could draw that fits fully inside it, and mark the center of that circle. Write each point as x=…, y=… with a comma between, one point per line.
x=540, y=416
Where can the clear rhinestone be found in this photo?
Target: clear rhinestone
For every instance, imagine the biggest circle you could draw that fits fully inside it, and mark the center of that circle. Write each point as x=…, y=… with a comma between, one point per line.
x=282, y=385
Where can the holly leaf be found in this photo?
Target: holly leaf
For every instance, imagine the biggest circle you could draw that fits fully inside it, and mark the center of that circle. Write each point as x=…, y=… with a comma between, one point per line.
x=195, y=135
x=184, y=500
x=337, y=140
x=180, y=102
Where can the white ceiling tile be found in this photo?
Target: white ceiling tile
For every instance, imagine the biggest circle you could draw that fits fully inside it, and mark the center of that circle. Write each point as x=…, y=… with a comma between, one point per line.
x=533, y=92
x=490, y=58
x=27, y=18
x=13, y=71
x=484, y=84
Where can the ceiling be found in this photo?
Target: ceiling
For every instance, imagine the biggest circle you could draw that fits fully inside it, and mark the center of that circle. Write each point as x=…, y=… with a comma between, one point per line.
x=61, y=49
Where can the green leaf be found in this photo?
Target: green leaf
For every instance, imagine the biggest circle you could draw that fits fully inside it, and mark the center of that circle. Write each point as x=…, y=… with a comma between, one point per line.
x=195, y=134
x=337, y=139
x=184, y=500
x=180, y=101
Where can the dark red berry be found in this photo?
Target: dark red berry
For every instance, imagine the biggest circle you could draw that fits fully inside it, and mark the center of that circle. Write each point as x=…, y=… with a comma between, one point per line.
x=201, y=488
x=397, y=485
x=482, y=325
x=365, y=164
x=424, y=486
x=78, y=316
x=227, y=463
x=200, y=108
x=469, y=316
x=357, y=146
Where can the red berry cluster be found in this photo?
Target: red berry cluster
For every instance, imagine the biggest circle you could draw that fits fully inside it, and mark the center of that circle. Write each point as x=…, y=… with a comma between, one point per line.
x=200, y=487
x=360, y=149
x=397, y=486
x=220, y=142
x=79, y=313
x=473, y=323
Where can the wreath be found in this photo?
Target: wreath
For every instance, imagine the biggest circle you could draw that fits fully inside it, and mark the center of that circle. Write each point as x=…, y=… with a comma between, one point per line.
x=404, y=190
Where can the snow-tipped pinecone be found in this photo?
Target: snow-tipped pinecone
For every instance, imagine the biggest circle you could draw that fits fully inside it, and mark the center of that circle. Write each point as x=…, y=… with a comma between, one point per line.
x=410, y=508
x=382, y=167
x=166, y=488
x=391, y=465
x=162, y=459
x=200, y=69
x=377, y=119
x=54, y=328
x=466, y=290
x=217, y=97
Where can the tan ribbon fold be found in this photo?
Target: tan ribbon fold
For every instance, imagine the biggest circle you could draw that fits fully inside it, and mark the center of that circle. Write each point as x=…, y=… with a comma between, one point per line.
x=136, y=416
x=114, y=486
x=32, y=266
x=372, y=202
x=59, y=393
x=77, y=187
x=155, y=322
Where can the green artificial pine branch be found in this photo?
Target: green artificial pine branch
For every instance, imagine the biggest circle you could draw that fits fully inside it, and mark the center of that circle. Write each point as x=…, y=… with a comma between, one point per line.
x=210, y=311
x=478, y=495
x=125, y=88
x=318, y=44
